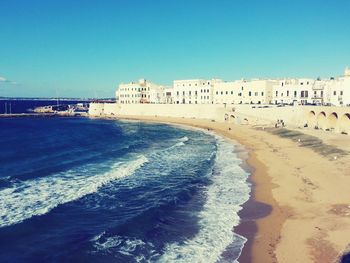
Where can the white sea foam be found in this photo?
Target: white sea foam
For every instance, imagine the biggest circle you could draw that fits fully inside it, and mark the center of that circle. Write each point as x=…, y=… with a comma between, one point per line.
x=39, y=196
x=183, y=139
x=124, y=245
x=225, y=196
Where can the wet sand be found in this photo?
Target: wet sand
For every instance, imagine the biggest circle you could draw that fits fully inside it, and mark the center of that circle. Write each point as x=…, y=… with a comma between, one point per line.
x=300, y=207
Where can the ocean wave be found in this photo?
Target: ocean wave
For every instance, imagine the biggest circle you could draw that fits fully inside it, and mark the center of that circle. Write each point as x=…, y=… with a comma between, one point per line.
x=37, y=197
x=124, y=245
x=181, y=142
x=183, y=139
x=225, y=196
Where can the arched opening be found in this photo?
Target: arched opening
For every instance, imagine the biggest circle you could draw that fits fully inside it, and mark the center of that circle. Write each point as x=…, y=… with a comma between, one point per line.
x=344, y=124
x=232, y=118
x=311, y=119
x=321, y=120
x=332, y=121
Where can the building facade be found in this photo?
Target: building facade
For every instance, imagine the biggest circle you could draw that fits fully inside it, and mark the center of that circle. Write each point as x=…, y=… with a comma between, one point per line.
x=296, y=91
x=142, y=91
x=293, y=91
x=243, y=92
x=193, y=91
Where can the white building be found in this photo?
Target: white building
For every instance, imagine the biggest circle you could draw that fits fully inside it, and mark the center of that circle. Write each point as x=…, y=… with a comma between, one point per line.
x=319, y=91
x=193, y=91
x=142, y=91
x=243, y=92
x=167, y=95
x=293, y=91
x=338, y=90
x=301, y=91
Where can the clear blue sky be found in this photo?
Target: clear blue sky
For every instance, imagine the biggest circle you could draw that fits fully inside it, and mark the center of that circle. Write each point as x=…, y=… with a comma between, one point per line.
x=85, y=48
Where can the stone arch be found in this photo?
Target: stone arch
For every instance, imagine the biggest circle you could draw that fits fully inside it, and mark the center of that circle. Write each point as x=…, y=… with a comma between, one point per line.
x=332, y=121
x=321, y=120
x=344, y=124
x=311, y=119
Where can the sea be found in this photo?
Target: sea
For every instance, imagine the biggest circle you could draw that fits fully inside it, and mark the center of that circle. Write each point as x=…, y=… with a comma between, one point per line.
x=93, y=190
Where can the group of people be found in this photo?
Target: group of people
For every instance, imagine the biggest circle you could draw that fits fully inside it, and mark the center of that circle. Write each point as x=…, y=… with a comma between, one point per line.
x=279, y=123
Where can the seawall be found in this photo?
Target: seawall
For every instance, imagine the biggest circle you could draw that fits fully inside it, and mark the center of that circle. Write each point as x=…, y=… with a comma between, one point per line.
x=335, y=119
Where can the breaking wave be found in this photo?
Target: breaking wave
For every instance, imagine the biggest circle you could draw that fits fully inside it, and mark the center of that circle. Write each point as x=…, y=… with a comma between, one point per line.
x=39, y=196
x=219, y=216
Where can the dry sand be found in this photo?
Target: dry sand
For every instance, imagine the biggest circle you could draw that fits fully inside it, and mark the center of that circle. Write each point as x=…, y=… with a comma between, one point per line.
x=304, y=181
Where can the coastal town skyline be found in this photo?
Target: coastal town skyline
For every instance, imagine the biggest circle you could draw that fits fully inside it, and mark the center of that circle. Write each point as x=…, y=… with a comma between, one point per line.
x=64, y=49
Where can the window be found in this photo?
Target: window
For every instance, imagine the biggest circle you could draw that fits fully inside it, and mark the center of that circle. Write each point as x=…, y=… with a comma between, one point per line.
x=183, y=93
x=302, y=94
x=177, y=93
x=250, y=93
x=341, y=92
x=301, y=83
x=262, y=93
x=189, y=93
x=256, y=94
x=217, y=93
x=306, y=93
x=282, y=84
x=231, y=92
x=322, y=93
x=287, y=93
x=242, y=87
x=226, y=92
x=295, y=93
x=276, y=93
x=221, y=92
x=207, y=90
x=195, y=93
x=189, y=84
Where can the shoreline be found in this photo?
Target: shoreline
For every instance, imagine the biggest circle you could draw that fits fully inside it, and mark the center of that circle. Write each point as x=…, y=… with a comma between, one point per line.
x=304, y=186
x=299, y=207
x=254, y=208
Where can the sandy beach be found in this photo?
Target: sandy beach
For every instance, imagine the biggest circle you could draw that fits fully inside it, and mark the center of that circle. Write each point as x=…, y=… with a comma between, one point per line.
x=300, y=205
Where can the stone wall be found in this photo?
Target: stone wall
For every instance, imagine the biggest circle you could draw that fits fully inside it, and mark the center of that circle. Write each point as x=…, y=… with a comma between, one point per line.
x=335, y=119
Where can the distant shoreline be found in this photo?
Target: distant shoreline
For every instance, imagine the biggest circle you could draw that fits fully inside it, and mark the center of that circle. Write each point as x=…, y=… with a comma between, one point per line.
x=39, y=115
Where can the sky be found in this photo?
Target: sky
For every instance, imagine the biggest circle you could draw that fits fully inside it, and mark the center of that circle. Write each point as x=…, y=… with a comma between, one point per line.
x=85, y=48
